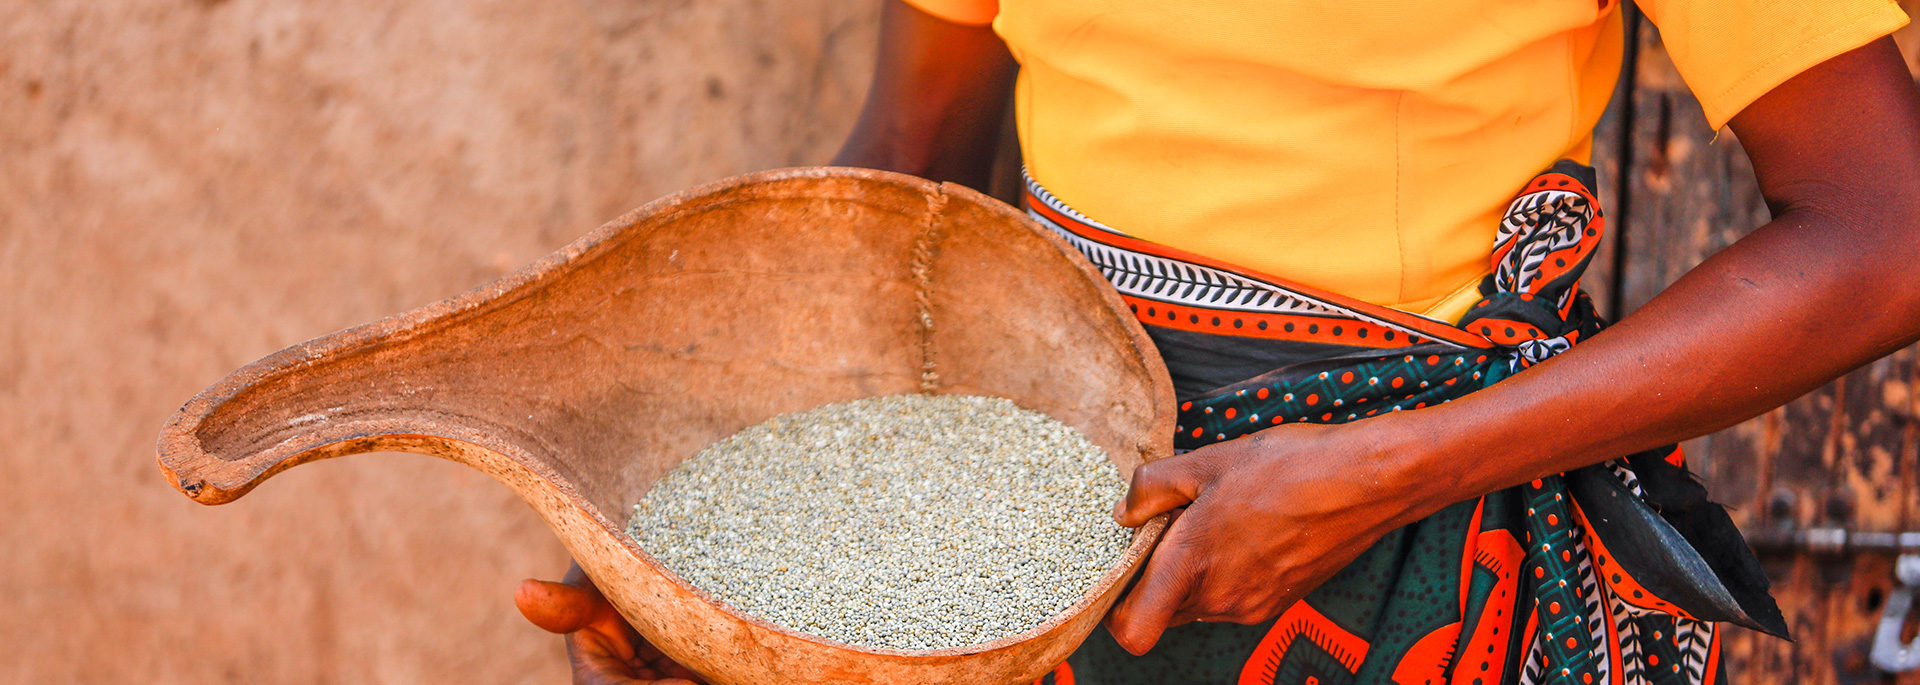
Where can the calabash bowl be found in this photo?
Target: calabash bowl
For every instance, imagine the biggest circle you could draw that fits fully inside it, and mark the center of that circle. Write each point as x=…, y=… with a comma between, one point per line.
x=583, y=379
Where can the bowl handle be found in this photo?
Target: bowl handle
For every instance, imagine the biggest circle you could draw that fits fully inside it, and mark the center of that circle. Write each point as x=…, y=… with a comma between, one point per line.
x=210, y=479
x=360, y=390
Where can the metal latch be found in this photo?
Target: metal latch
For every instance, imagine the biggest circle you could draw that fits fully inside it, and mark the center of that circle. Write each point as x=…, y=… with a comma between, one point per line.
x=1889, y=653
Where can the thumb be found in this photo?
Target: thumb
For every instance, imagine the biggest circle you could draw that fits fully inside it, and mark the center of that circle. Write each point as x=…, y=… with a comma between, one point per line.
x=559, y=607
x=1163, y=485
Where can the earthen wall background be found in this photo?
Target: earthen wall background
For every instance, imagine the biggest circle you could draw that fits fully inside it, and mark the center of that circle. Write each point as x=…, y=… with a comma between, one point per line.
x=188, y=185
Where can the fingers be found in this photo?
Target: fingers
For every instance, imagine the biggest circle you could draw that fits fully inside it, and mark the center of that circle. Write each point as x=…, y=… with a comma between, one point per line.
x=1170, y=577
x=603, y=648
x=596, y=667
x=645, y=651
x=665, y=668
x=1164, y=485
x=561, y=608
x=606, y=658
x=675, y=673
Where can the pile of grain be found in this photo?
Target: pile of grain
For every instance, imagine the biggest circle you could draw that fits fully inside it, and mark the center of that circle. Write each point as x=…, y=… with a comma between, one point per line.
x=908, y=522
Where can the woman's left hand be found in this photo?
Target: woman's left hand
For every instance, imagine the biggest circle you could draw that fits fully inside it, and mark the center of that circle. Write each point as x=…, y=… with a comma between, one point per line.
x=1267, y=518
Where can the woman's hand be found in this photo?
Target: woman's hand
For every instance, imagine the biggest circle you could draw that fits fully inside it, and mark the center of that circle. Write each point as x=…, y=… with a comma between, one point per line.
x=1268, y=517
x=604, y=650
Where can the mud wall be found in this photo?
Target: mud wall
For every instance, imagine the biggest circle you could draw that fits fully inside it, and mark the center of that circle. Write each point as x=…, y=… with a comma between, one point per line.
x=187, y=185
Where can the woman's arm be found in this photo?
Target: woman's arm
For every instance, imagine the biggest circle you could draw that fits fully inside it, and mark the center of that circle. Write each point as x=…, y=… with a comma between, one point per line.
x=939, y=93
x=1831, y=283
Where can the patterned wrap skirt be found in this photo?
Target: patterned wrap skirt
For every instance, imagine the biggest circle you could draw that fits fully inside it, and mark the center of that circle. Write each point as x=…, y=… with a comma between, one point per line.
x=1620, y=572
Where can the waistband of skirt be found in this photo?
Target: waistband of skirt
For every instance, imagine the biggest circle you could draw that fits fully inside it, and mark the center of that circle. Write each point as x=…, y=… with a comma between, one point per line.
x=1544, y=242
x=1170, y=288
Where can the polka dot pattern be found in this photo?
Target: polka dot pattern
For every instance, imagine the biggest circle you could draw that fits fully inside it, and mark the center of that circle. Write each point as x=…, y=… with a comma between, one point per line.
x=1404, y=380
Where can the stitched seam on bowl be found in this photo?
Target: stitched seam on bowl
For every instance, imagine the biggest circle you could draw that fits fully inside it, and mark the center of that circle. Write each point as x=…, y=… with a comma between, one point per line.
x=923, y=285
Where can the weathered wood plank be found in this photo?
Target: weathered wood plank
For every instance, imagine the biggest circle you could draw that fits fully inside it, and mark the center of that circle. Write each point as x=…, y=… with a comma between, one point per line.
x=1853, y=611
x=1869, y=490
x=1909, y=466
x=1610, y=158
x=1909, y=41
x=1876, y=413
x=1751, y=657
x=1843, y=455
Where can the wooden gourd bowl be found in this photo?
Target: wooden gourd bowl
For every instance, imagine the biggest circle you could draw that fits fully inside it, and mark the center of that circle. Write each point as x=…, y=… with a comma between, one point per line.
x=581, y=380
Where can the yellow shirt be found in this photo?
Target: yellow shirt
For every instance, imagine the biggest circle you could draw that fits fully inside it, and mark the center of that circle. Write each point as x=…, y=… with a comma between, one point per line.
x=1365, y=147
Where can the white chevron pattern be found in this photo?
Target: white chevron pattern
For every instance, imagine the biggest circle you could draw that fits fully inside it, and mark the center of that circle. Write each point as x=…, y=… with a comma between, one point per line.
x=1180, y=283
x=1531, y=671
x=1632, y=664
x=1596, y=606
x=1184, y=283
x=1552, y=220
x=1695, y=639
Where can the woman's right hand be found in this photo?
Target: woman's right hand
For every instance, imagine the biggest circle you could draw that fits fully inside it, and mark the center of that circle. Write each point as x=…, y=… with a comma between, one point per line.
x=603, y=649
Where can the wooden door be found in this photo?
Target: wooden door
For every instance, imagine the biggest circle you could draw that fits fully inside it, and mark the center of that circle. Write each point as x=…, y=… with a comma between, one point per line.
x=1843, y=456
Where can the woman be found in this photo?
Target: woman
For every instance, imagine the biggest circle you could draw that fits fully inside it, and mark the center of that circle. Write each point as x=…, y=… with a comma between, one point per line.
x=1355, y=232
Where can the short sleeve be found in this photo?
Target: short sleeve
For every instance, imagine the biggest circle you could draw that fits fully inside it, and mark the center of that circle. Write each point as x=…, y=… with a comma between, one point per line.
x=969, y=12
x=1731, y=52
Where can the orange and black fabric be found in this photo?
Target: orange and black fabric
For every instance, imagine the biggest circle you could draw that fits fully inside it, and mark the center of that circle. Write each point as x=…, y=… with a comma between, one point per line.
x=1615, y=573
